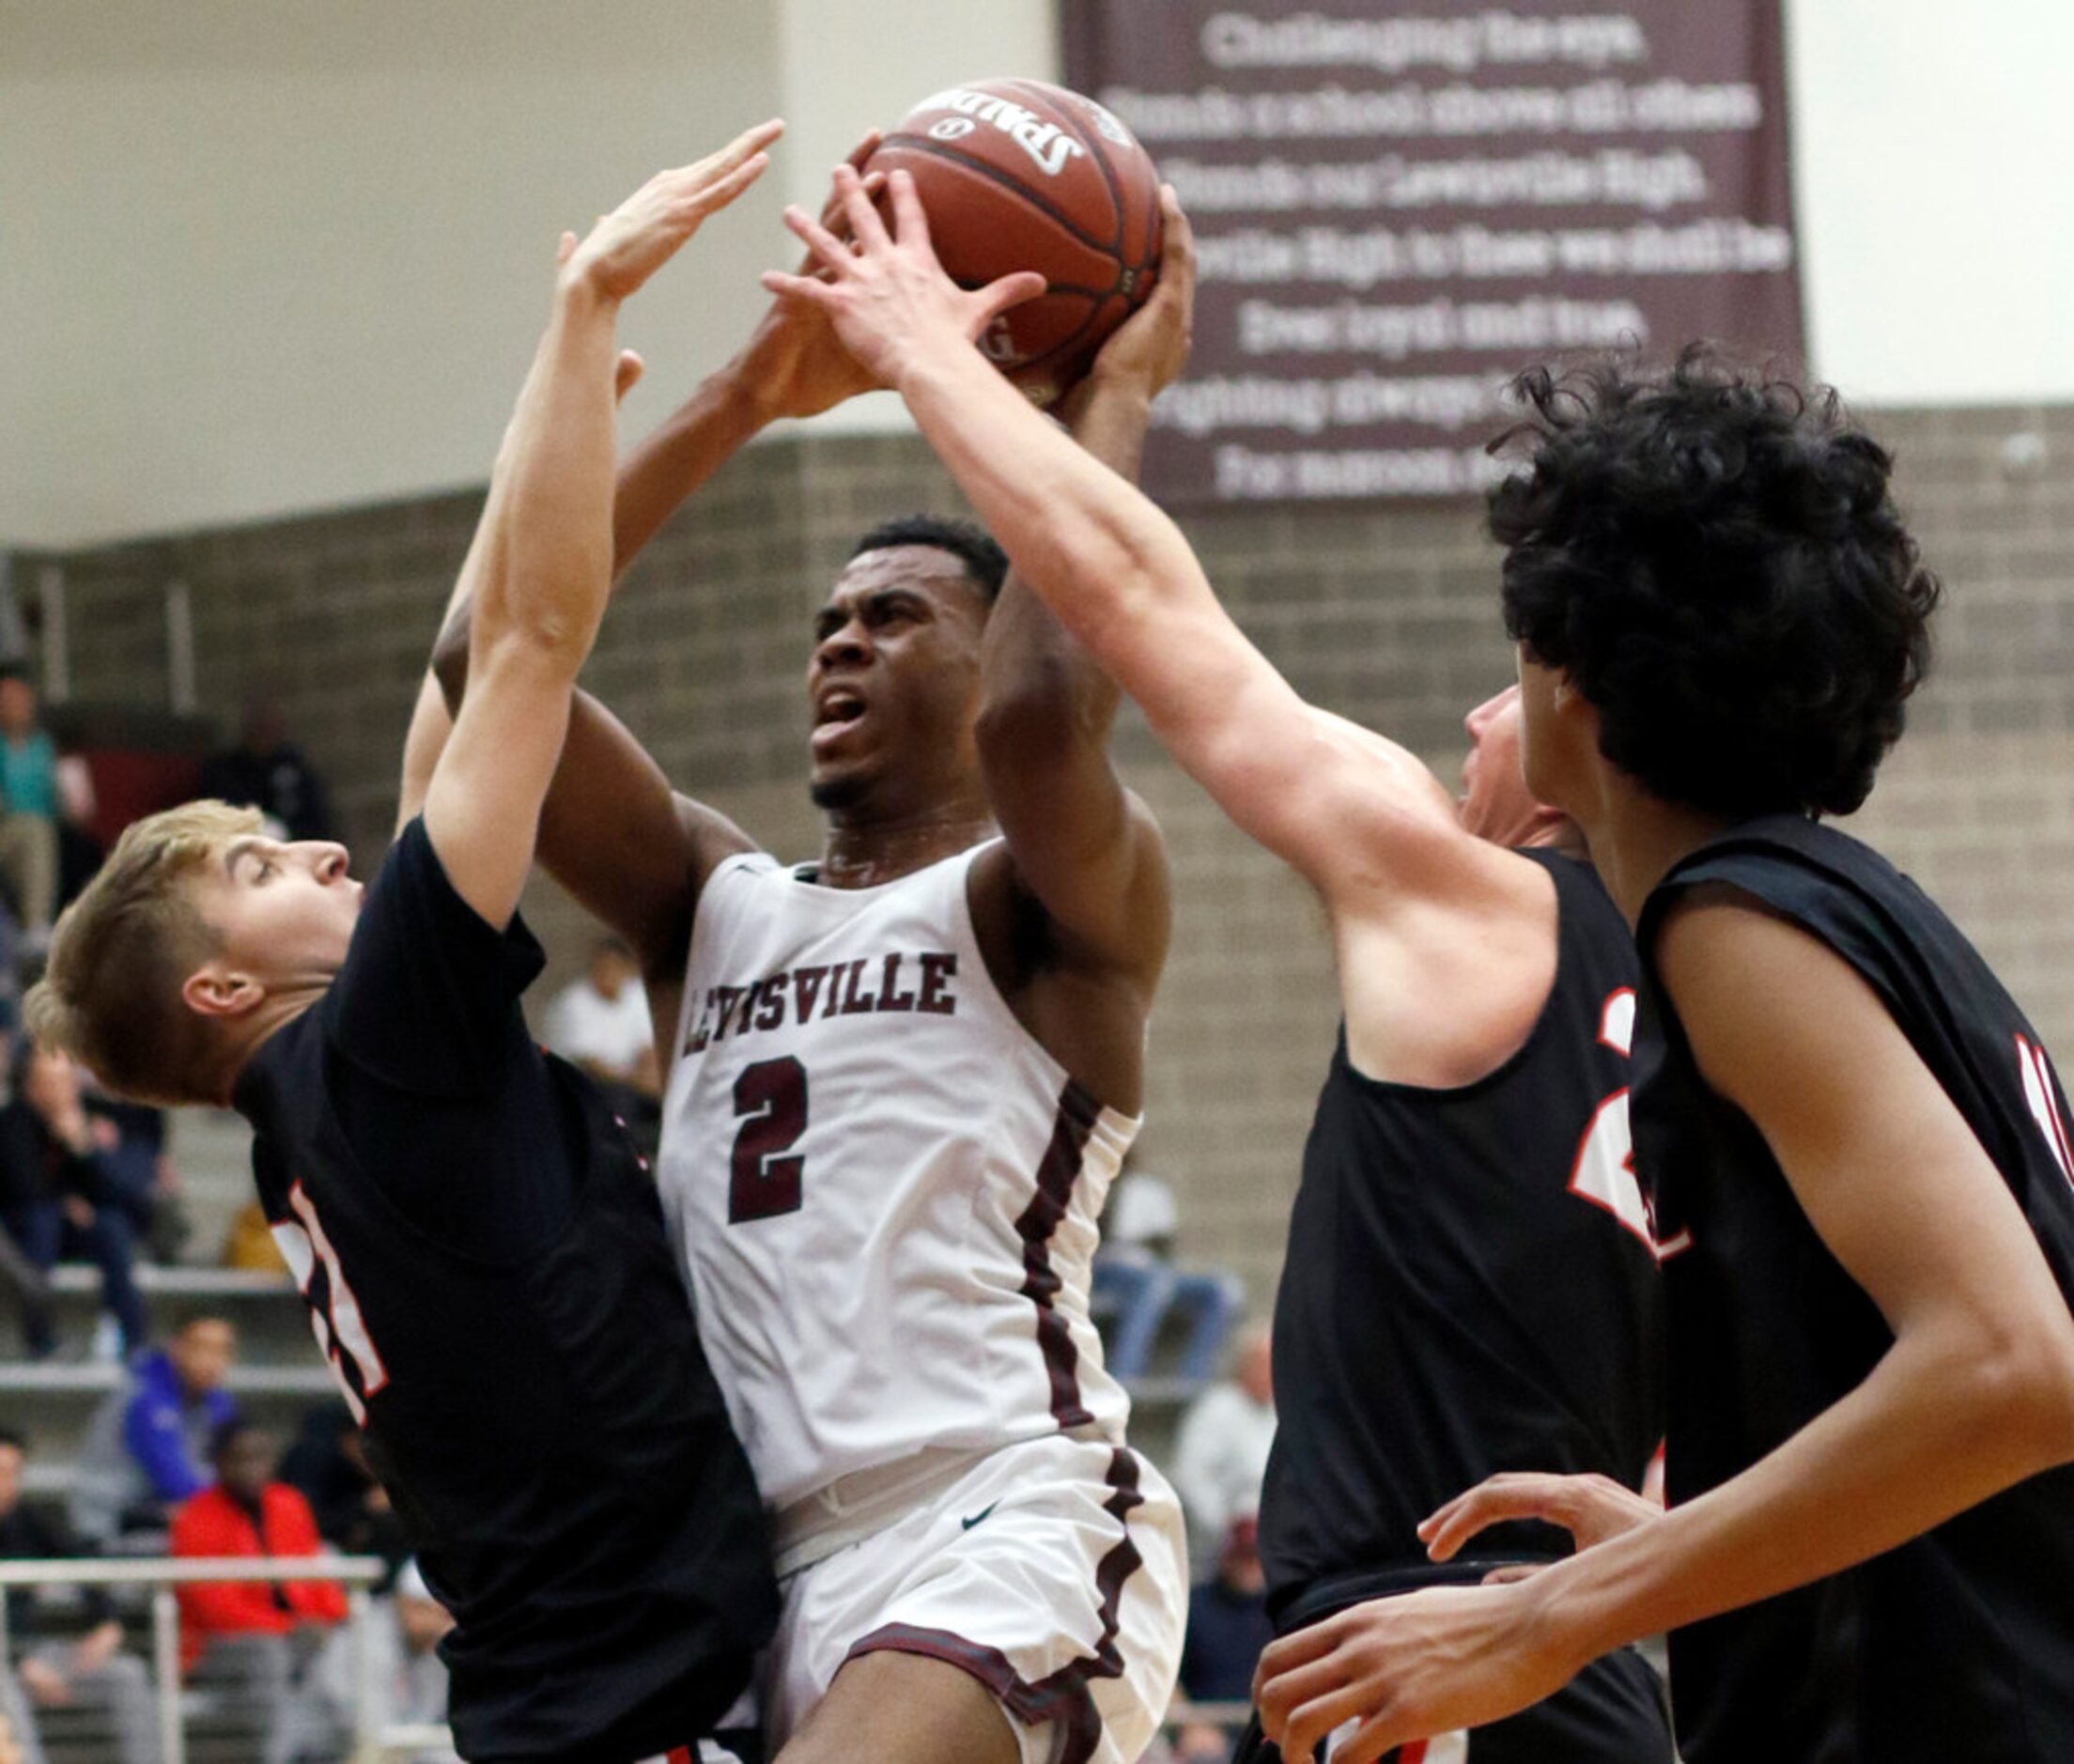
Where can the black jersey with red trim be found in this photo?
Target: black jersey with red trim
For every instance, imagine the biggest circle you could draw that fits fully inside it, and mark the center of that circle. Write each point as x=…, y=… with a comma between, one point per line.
x=1960, y=1645
x=1470, y=1285
x=532, y=1389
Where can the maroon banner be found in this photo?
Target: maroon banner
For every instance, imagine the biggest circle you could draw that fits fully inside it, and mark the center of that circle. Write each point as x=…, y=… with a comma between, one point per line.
x=1396, y=210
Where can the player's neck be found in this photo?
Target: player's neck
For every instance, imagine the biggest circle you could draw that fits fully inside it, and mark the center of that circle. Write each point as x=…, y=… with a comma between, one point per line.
x=862, y=851
x=1635, y=839
x=267, y=1020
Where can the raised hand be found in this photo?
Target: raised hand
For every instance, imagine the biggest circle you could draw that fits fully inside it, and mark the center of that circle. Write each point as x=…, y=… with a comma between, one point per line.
x=637, y=238
x=1591, y=1509
x=885, y=292
x=794, y=364
x=1407, y=1668
x=1151, y=347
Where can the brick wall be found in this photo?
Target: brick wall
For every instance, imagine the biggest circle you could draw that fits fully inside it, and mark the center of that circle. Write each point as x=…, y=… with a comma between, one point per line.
x=1388, y=616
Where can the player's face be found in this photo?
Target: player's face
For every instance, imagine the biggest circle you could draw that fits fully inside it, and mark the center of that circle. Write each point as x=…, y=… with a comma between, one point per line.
x=1550, y=765
x=1495, y=803
x=202, y=1354
x=893, y=683
x=285, y=909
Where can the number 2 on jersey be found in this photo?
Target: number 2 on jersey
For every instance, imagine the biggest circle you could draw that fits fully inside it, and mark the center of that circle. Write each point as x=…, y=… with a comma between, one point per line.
x=764, y=1173
x=1604, y=1173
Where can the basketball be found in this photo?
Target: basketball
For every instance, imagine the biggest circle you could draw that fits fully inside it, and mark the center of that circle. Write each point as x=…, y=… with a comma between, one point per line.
x=1020, y=175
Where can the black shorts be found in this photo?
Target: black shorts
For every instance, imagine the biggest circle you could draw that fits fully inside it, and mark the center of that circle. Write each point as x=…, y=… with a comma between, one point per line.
x=1612, y=1713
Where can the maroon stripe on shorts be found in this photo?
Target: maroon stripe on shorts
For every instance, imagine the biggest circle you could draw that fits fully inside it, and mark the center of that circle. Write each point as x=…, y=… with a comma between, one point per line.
x=1063, y=1695
x=1056, y=1176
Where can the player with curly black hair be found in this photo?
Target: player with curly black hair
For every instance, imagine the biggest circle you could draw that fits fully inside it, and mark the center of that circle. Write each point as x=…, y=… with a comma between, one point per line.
x=1871, y=1357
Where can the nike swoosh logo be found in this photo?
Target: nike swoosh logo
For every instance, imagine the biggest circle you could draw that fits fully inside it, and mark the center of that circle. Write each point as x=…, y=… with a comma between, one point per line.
x=967, y=1525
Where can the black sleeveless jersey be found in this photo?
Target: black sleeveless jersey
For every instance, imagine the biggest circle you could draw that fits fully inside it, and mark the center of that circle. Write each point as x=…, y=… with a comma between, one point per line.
x=1960, y=1643
x=1471, y=1286
x=546, y=1422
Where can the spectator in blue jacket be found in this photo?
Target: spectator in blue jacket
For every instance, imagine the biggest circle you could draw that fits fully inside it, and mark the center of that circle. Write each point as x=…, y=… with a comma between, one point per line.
x=147, y=1448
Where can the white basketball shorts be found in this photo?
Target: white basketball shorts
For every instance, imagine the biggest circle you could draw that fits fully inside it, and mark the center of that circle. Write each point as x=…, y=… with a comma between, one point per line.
x=1054, y=1571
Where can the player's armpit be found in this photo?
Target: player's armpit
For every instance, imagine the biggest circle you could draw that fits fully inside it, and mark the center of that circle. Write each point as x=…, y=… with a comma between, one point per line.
x=629, y=848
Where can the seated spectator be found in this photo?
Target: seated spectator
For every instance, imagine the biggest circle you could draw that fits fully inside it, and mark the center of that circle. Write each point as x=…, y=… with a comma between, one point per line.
x=406, y=1675
x=1227, y=1629
x=268, y=772
x=1220, y=1451
x=142, y=1179
x=249, y=1640
x=601, y=1022
x=59, y=1191
x=148, y=1446
x=1135, y=1271
x=89, y=1672
x=328, y=1463
x=248, y=1243
x=29, y=807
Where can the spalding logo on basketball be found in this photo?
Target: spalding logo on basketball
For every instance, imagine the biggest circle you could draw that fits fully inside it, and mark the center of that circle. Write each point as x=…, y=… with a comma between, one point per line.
x=1019, y=175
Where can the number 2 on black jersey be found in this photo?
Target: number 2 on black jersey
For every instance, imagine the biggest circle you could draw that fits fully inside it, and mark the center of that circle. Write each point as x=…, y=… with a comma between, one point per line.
x=764, y=1173
x=1603, y=1173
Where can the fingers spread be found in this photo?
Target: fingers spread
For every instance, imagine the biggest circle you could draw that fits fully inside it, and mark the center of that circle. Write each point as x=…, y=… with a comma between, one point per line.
x=828, y=250
x=806, y=287
x=910, y=220
x=865, y=226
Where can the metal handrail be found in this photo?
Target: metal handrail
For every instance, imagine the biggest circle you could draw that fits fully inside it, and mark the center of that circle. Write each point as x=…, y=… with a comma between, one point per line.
x=356, y=1573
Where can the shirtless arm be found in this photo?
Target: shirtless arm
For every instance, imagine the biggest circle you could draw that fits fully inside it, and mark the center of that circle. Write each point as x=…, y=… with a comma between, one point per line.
x=1975, y=1394
x=1328, y=797
x=1358, y=816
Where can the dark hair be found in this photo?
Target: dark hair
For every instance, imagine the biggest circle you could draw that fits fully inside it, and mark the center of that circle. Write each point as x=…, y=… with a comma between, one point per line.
x=227, y=1432
x=16, y=668
x=1713, y=557
x=984, y=562
x=14, y=1436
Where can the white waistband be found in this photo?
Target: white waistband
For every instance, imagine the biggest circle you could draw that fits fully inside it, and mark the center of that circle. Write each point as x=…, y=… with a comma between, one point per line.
x=852, y=1508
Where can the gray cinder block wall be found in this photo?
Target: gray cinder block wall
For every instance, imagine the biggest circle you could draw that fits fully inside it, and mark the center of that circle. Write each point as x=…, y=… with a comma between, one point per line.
x=1385, y=614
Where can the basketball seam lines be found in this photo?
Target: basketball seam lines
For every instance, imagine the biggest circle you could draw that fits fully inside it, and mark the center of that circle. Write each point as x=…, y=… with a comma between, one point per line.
x=921, y=145
x=1108, y=175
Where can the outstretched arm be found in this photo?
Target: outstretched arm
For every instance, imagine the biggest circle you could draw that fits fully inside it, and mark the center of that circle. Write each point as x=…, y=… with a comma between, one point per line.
x=544, y=552
x=1339, y=804
x=630, y=849
x=1975, y=1394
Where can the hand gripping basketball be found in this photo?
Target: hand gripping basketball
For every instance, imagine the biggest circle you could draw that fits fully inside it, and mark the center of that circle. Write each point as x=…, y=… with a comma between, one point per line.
x=886, y=294
x=644, y=232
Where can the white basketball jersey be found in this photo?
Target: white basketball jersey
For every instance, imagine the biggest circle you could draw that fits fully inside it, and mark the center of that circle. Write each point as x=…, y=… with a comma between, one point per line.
x=883, y=1190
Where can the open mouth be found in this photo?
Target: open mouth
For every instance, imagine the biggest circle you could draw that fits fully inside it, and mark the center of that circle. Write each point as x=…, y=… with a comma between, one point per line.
x=836, y=709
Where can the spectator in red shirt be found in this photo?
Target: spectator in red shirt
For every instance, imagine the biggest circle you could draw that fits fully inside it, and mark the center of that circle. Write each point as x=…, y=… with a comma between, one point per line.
x=252, y=1637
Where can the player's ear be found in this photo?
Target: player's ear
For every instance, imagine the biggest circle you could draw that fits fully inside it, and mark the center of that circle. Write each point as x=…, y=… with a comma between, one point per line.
x=217, y=989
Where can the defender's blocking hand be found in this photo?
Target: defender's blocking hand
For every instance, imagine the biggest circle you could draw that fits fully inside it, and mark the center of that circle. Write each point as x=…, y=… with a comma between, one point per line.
x=637, y=238
x=793, y=363
x=886, y=294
